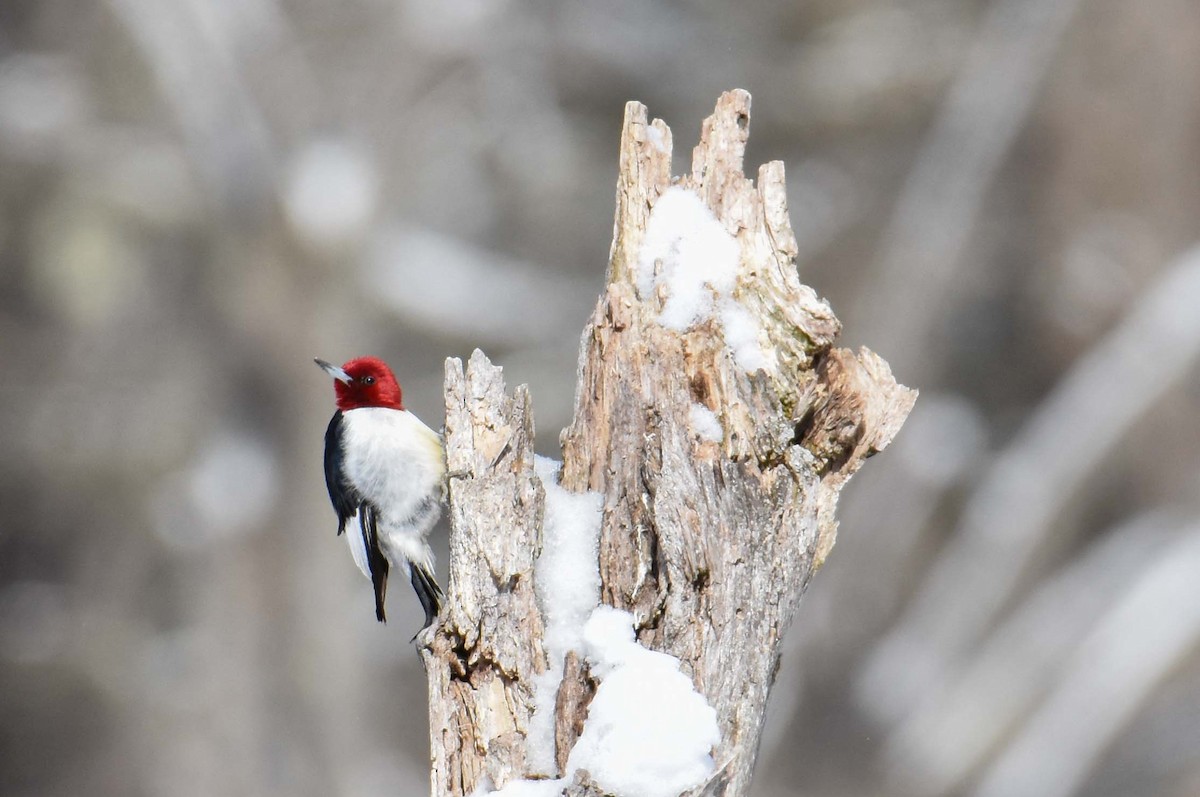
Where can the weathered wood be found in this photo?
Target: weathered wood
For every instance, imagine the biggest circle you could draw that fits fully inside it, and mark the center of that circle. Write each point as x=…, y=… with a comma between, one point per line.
x=482, y=655
x=712, y=545
x=710, y=540
x=570, y=706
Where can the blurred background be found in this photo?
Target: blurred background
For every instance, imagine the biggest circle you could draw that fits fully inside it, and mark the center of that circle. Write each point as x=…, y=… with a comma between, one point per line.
x=199, y=196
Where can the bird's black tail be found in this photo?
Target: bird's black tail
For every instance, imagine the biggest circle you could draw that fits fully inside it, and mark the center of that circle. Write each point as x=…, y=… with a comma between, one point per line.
x=427, y=591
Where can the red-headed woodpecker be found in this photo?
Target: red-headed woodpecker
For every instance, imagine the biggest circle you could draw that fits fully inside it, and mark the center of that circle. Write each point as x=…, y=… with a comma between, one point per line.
x=385, y=471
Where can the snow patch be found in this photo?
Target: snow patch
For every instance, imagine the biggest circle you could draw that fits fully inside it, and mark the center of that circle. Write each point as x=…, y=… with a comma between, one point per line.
x=698, y=258
x=567, y=583
x=656, y=139
x=649, y=733
x=690, y=255
x=705, y=423
x=741, y=336
x=528, y=788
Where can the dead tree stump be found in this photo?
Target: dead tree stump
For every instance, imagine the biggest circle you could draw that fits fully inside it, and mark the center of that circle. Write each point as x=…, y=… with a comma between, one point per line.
x=718, y=423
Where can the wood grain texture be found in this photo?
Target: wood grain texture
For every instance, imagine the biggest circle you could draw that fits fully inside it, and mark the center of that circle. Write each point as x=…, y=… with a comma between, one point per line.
x=709, y=543
x=482, y=655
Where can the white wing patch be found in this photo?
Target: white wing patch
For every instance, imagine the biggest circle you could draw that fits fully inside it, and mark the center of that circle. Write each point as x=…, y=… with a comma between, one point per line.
x=358, y=548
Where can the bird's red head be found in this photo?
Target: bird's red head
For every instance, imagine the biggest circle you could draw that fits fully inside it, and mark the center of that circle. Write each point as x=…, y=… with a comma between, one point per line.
x=364, y=382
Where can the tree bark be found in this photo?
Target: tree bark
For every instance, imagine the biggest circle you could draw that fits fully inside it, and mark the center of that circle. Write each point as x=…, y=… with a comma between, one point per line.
x=708, y=542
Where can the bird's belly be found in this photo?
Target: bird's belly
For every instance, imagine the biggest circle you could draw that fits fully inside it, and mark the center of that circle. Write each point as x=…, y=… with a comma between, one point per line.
x=405, y=541
x=399, y=488
x=396, y=463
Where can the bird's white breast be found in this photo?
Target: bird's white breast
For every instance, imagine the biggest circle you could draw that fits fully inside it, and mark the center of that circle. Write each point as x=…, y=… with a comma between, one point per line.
x=394, y=460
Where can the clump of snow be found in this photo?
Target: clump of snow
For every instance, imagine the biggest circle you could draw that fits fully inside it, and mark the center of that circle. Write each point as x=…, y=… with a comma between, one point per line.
x=567, y=583
x=656, y=138
x=698, y=258
x=741, y=336
x=528, y=788
x=649, y=733
x=539, y=737
x=705, y=423
x=567, y=571
x=689, y=253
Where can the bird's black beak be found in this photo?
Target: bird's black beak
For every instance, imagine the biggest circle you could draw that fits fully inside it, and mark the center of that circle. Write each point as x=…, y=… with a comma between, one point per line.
x=334, y=371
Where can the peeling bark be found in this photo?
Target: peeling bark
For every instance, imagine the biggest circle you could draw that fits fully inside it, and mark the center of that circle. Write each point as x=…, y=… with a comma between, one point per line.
x=709, y=543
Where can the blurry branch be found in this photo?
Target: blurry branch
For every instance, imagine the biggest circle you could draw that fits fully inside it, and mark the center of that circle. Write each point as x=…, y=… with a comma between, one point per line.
x=1011, y=514
x=938, y=206
x=951, y=738
x=1148, y=632
x=190, y=48
x=506, y=301
x=708, y=536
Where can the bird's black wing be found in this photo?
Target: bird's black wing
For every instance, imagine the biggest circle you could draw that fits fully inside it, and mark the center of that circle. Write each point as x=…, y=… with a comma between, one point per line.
x=376, y=560
x=342, y=495
x=348, y=502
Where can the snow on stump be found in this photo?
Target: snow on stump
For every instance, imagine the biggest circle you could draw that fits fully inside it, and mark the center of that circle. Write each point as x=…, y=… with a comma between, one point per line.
x=613, y=625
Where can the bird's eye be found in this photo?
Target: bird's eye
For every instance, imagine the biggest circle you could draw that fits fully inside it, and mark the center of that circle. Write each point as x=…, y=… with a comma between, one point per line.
x=368, y=380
